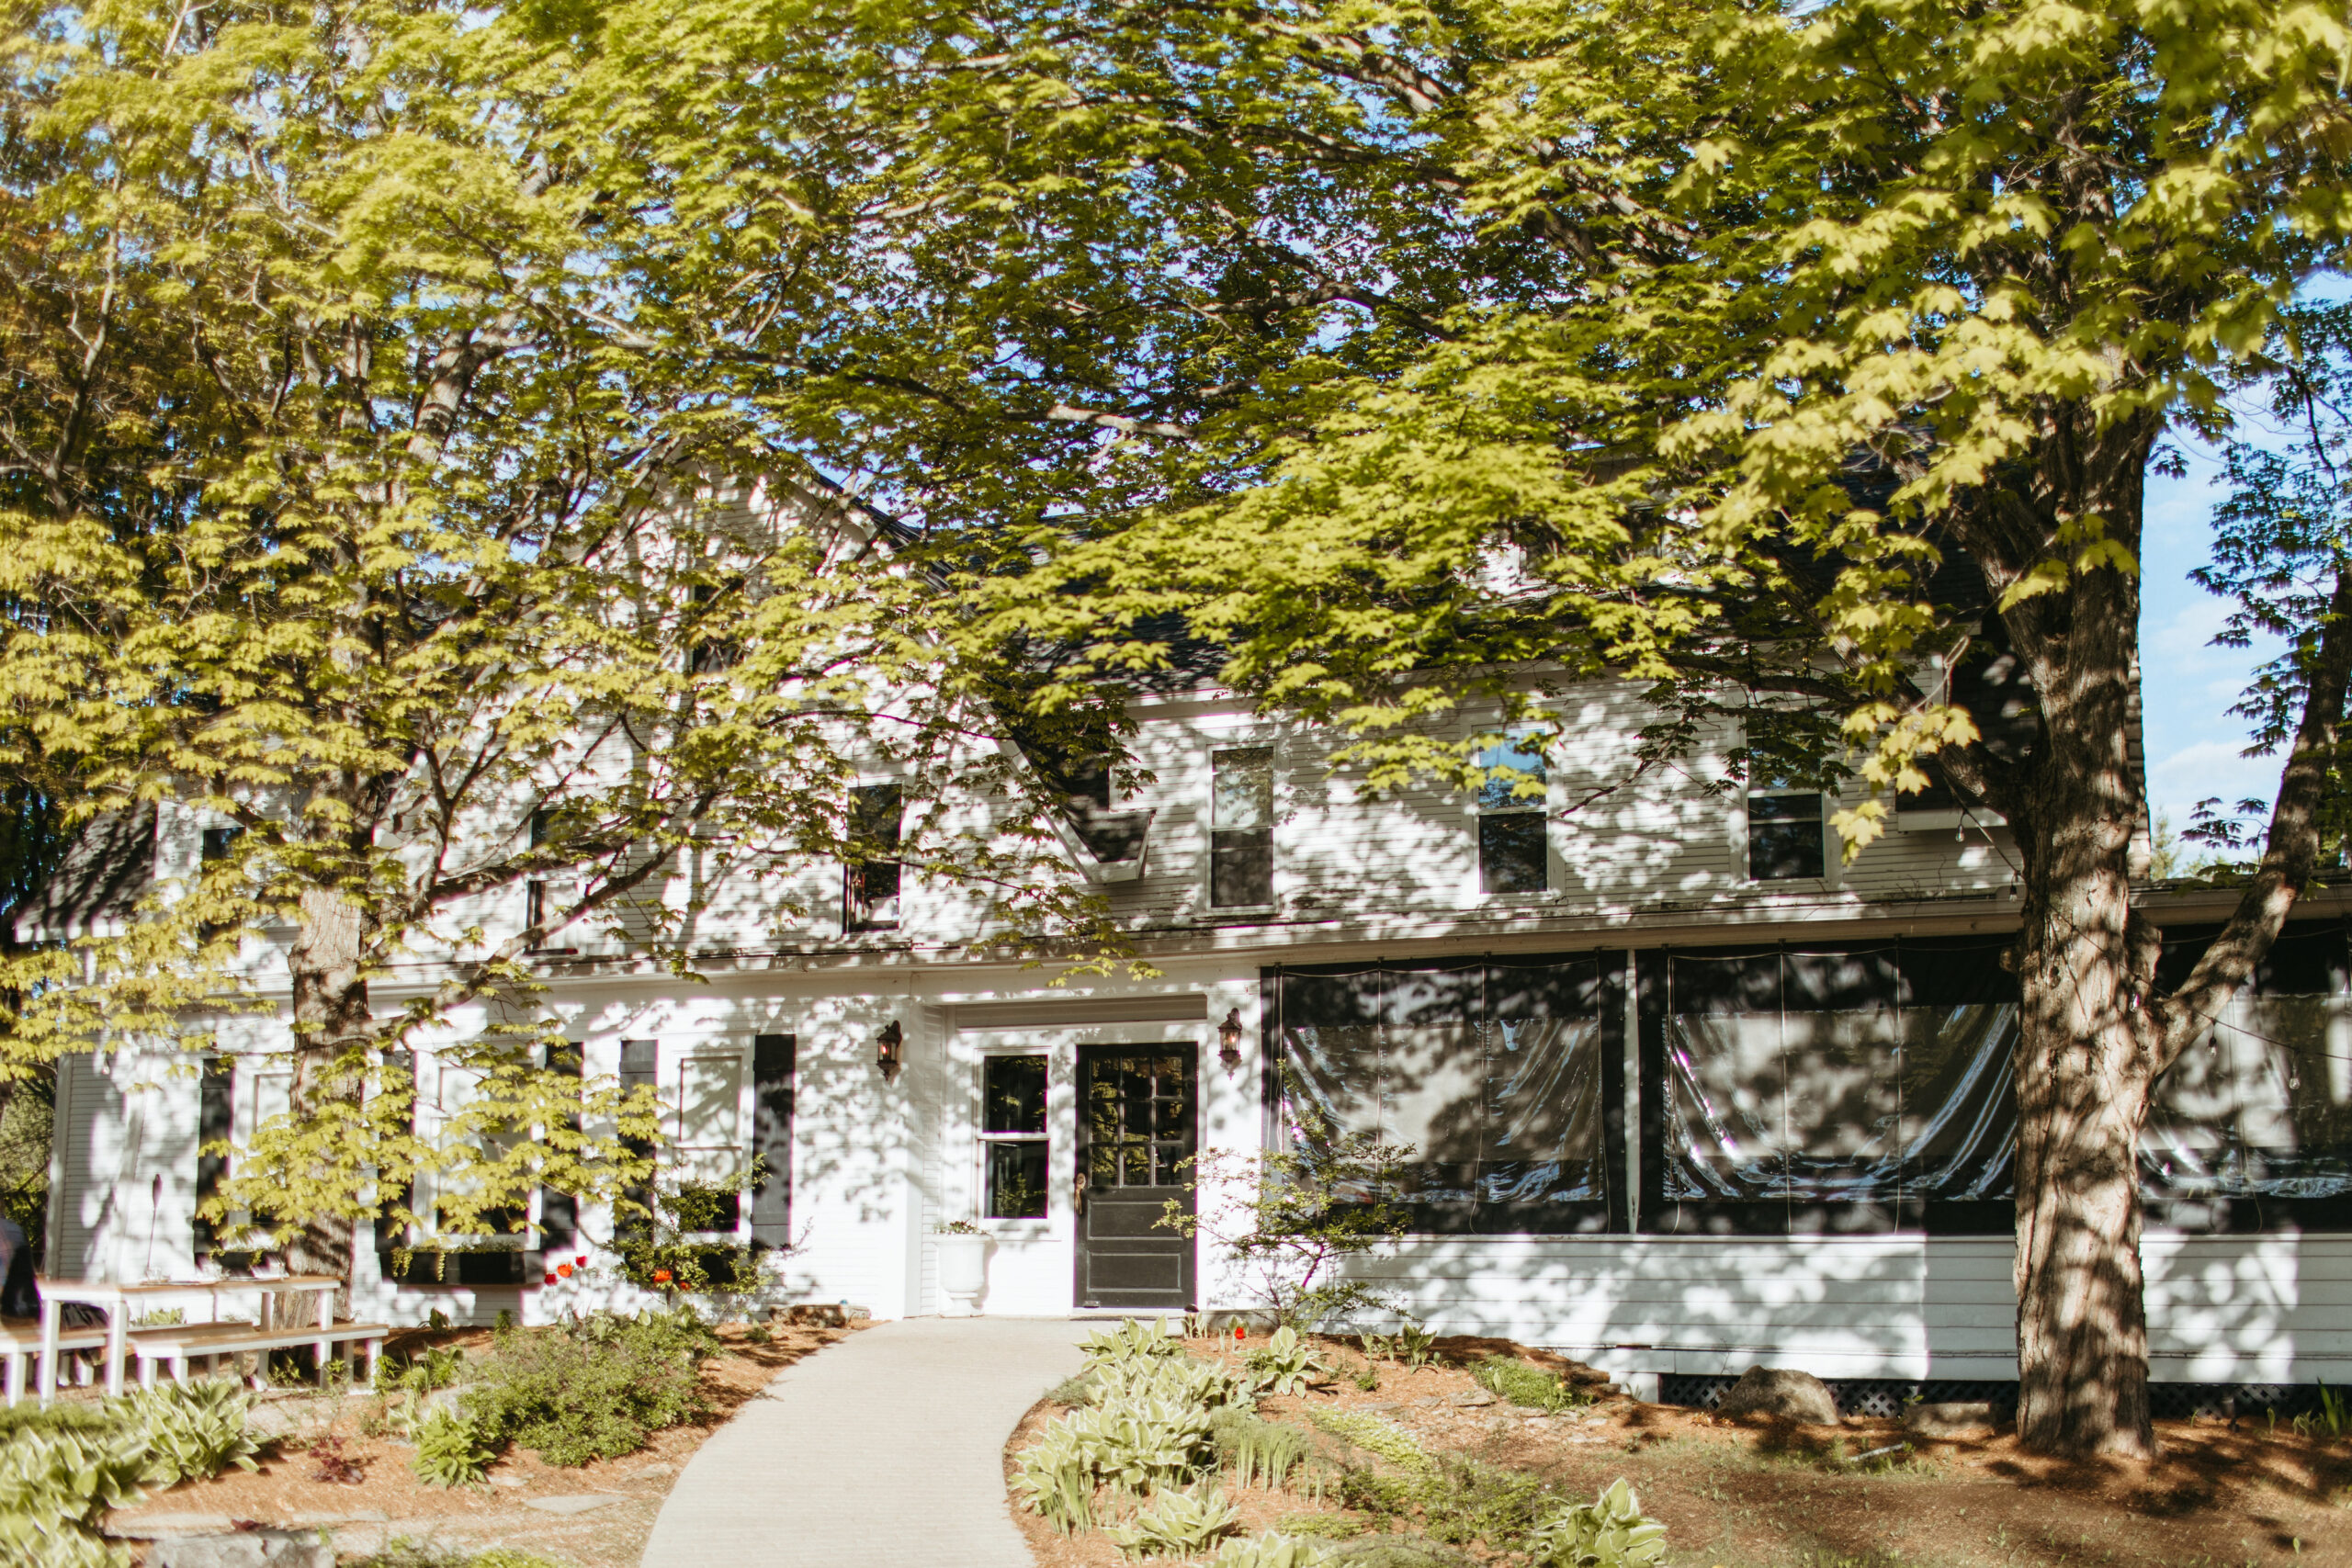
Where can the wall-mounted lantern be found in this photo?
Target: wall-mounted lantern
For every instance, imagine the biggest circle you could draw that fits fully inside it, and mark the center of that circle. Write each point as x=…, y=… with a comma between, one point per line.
x=1228, y=1042
x=889, y=1051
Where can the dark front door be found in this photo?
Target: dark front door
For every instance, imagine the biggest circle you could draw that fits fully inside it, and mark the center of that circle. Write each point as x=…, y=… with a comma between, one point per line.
x=1135, y=1128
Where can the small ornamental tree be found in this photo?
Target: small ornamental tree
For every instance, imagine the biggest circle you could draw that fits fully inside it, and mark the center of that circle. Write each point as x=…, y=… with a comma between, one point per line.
x=1287, y=1221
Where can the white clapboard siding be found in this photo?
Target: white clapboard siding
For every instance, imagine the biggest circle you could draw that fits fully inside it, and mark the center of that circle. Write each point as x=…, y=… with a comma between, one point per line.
x=2221, y=1309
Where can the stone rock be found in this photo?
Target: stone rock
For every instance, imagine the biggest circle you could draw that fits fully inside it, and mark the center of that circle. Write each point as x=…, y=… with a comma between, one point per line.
x=243, y=1548
x=509, y=1481
x=1777, y=1390
x=148, y=1526
x=1393, y=1552
x=577, y=1503
x=1474, y=1399
x=814, y=1316
x=1954, y=1419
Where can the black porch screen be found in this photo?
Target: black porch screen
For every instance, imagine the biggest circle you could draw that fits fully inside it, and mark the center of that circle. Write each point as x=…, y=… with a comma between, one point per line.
x=2252, y=1127
x=1829, y=1089
x=1501, y=1077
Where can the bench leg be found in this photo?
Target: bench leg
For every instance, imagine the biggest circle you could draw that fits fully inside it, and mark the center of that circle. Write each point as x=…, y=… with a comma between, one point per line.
x=146, y=1371
x=15, y=1376
x=179, y=1370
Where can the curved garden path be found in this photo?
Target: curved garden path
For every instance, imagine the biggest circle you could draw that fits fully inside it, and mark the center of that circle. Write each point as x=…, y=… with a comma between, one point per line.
x=886, y=1451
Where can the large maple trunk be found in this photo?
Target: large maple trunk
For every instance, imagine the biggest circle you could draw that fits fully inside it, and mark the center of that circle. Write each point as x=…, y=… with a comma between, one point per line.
x=2086, y=1059
x=330, y=1025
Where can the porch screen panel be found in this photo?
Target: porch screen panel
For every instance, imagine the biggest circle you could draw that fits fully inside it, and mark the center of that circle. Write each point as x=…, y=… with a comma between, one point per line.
x=1832, y=1090
x=2252, y=1127
x=1497, y=1077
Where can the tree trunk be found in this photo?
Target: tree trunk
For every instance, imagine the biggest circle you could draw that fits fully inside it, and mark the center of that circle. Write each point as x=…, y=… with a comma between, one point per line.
x=330, y=1034
x=2086, y=1056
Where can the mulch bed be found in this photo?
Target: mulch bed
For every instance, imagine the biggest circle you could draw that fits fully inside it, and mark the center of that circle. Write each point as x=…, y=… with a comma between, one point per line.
x=390, y=1503
x=1760, y=1494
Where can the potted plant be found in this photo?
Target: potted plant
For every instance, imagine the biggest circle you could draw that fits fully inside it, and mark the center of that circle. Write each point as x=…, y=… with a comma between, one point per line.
x=962, y=1268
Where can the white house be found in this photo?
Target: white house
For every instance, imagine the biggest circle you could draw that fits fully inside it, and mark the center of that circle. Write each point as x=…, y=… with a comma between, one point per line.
x=1687, y=1095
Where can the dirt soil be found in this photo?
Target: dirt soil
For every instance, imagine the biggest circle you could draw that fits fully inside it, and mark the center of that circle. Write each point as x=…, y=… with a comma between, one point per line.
x=1762, y=1494
x=389, y=1503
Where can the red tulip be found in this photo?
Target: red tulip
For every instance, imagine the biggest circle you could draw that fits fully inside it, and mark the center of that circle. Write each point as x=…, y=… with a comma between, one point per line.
x=550, y=1279
x=661, y=1276
x=581, y=1260
x=1239, y=1333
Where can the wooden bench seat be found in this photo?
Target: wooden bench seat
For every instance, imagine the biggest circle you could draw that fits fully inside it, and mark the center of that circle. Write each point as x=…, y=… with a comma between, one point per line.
x=20, y=1342
x=181, y=1343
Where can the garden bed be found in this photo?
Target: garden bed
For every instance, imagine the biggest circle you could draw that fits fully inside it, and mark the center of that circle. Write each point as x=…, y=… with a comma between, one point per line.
x=595, y=1514
x=1762, y=1494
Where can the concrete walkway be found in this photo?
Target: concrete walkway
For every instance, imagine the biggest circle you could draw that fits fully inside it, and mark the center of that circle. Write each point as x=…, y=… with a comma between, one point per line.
x=886, y=1451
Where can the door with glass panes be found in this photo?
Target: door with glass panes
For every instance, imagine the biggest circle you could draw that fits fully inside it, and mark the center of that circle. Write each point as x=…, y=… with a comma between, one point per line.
x=1136, y=1108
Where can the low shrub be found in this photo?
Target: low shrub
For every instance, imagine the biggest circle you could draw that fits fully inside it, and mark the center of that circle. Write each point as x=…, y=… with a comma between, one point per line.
x=1178, y=1524
x=452, y=1449
x=1073, y=1392
x=407, y=1554
x=196, y=1431
x=1140, y=1444
x=1259, y=1454
x=1527, y=1385
x=1610, y=1531
x=437, y=1366
x=593, y=1388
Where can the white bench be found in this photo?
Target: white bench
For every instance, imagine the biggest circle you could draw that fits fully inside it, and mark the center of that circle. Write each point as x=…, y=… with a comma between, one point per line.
x=181, y=1343
x=20, y=1342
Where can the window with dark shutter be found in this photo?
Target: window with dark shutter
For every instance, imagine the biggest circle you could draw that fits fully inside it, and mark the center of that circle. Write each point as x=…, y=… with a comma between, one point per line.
x=1241, y=828
x=772, y=1094
x=559, y=1212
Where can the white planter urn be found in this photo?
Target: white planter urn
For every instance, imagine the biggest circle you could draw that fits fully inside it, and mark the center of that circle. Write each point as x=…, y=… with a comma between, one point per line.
x=963, y=1273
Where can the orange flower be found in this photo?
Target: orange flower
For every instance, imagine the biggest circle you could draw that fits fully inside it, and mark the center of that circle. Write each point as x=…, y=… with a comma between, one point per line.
x=564, y=1269
x=661, y=1276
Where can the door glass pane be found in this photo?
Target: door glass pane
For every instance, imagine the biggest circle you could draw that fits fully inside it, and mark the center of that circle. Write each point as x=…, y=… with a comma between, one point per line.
x=1013, y=1095
x=1017, y=1179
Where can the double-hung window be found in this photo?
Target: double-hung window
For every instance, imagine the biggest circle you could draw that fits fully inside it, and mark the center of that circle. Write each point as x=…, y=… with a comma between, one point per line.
x=1512, y=836
x=1241, y=828
x=1012, y=1136
x=1785, y=838
x=870, y=896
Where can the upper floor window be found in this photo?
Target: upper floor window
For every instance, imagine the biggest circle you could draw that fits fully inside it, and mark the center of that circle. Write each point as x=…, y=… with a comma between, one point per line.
x=217, y=841
x=870, y=901
x=1241, y=828
x=1785, y=839
x=1512, y=841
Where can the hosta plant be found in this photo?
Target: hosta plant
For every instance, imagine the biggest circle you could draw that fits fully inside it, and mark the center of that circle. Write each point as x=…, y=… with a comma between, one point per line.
x=451, y=1449
x=1055, y=1478
x=1141, y=1444
x=1610, y=1531
x=1178, y=1524
x=1270, y=1551
x=1286, y=1363
x=194, y=1430
x=1134, y=1340
x=1180, y=1378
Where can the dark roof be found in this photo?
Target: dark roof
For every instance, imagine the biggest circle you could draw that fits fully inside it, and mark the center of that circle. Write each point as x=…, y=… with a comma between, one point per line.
x=104, y=872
